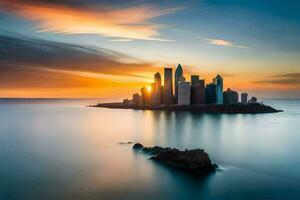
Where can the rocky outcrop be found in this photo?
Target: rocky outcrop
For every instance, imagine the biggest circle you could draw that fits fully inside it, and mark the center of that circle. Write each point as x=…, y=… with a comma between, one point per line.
x=196, y=161
x=125, y=142
x=137, y=146
x=156, y=150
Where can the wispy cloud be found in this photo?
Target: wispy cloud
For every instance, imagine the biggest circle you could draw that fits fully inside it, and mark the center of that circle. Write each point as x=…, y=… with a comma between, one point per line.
x=283, y=79
x=30, y=62
x=133, y=22
x=228, y=75
x=226, y=43
x=121, y=40
x=294, y=75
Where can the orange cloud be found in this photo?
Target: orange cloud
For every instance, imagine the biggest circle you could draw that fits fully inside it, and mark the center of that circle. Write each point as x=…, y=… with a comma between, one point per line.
x=31, y=67
x=130, y=22
x=225, y=43
x=41, y=82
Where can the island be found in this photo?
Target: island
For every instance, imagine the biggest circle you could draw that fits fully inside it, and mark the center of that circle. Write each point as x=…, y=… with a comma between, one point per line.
x=194, y=161
x=193, y=96
x=251, y=108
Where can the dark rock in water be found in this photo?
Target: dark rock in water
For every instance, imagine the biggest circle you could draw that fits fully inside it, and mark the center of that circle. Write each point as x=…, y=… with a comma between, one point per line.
x=196, y=160
x=125, y=142
x=156, y=150
x=137, y=146
x=215, y=166
x=192, y=160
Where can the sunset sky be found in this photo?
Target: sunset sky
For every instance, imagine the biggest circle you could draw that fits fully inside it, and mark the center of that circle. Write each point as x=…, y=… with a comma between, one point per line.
x=97, y=48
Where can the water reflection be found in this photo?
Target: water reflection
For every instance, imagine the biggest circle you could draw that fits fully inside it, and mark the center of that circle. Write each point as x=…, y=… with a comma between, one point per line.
x=72, y=152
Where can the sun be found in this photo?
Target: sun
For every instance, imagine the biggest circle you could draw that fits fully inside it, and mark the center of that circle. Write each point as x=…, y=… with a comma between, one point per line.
x=148, y=88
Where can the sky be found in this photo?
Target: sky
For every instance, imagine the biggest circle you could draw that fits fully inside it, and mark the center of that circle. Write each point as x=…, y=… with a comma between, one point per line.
x=97, y=48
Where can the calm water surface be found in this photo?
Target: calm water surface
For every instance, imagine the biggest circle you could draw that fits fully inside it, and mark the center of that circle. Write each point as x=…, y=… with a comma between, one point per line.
x=59, y=149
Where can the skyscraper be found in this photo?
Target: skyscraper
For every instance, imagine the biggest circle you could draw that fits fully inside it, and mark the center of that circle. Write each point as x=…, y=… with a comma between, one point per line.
x=156, y=91
x=136, y=99
x=244, y=98
x=184, y=93
x=198, y=93
x=168, y=86
x=178, y=77
x=194, y=79
x=211, y=94
x=197, y=90
x=145, y=96
x=153, y=94
x=218, y=81
x=230, y=97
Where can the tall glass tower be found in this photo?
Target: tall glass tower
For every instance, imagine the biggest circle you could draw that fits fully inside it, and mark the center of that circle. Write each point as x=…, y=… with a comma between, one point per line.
x=218, y=81
x=178, y=77
x=168, y=86
x=157, y=98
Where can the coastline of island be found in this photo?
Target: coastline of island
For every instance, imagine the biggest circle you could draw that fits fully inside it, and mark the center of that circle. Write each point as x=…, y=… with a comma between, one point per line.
x=253, y=108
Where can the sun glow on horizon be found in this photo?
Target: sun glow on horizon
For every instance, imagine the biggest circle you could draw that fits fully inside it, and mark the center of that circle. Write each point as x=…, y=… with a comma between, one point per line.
x=148, y=89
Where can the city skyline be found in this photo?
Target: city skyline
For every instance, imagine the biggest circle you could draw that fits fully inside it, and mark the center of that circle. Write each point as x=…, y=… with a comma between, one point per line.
x=193, y=92
x=94, y=48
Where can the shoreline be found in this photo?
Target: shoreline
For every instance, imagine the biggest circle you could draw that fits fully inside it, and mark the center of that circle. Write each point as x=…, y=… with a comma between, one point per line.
x=254, y=108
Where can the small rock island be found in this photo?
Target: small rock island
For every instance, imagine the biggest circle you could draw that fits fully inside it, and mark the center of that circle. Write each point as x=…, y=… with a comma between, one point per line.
x=195, y=161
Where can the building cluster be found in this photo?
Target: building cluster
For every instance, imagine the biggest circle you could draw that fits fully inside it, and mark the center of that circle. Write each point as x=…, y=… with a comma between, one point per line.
x=186, y=93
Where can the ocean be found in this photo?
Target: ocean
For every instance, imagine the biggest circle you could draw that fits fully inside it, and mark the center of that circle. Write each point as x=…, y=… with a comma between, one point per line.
x=61, y=149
